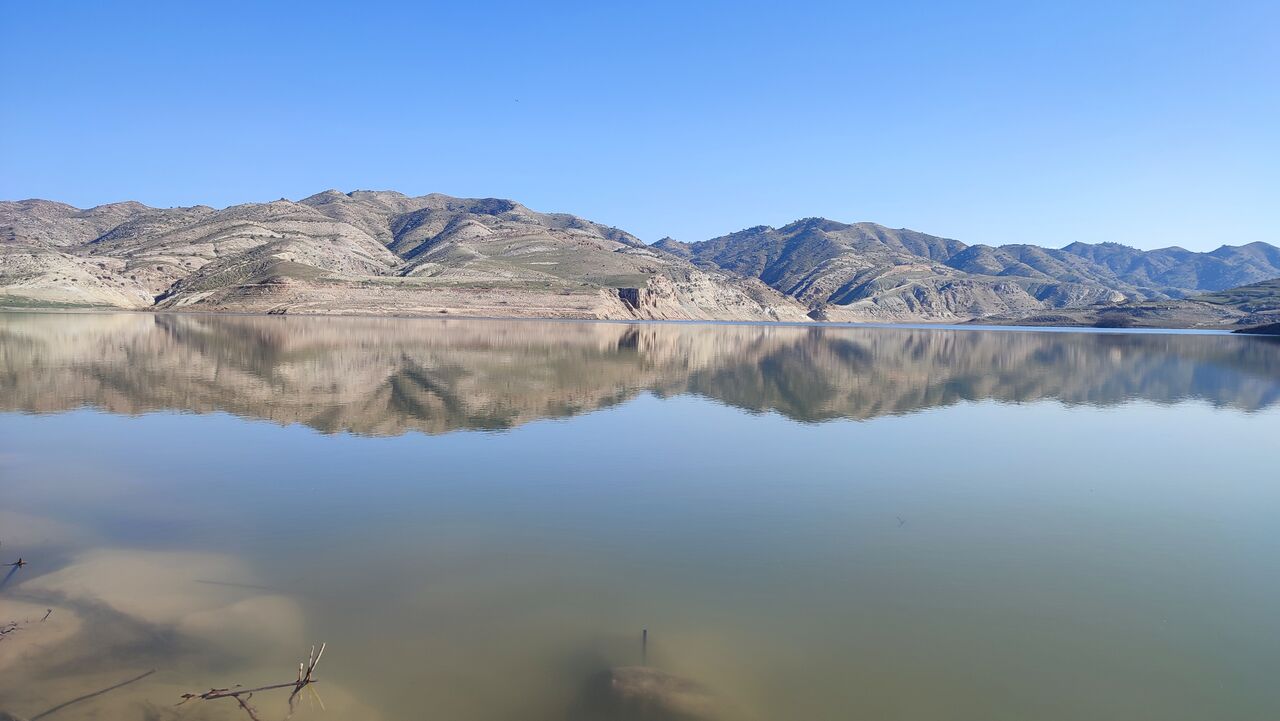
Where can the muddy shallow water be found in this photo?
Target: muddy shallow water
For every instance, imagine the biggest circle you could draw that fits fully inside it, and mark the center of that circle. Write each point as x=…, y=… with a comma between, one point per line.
x=480, y=517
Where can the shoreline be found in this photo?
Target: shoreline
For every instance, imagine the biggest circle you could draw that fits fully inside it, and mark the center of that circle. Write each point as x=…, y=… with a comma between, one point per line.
x=975, y=324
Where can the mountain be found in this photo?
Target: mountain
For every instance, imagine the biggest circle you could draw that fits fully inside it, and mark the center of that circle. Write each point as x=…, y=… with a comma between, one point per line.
x=1175, y=270
x=816, y=260
x=362, y=253
x=385, y=253
x=864, y=271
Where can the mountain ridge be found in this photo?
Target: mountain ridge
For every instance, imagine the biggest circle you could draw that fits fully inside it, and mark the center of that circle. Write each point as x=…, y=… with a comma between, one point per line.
x=866, y=271
x=384, y=252
x=363, y=252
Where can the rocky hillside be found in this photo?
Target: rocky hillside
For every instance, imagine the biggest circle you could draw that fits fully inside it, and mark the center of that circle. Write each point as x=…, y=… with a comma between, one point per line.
x=1261, y=297
x=1242, y=308
x=391, y=254
x=360, y=253
x=865, y=271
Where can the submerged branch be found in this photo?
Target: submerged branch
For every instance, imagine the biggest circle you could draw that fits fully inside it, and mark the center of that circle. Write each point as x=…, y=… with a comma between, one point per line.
x=16, y=564
x=306, y=677
x=306, y=671
x=9, y=627
x=13, y=568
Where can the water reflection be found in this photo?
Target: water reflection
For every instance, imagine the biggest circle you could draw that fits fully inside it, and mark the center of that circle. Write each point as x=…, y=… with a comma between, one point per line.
x=1082, y=558
x=387, y=376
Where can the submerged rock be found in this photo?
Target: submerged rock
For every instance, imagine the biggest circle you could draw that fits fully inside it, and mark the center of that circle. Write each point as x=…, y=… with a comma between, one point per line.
x=641, y=693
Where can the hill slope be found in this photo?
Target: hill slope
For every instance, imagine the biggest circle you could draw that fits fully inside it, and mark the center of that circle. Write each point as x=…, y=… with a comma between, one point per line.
x=386, y=253
x=865, y=271
x=1247, y=307
x=361, y=252
x=1261, y=297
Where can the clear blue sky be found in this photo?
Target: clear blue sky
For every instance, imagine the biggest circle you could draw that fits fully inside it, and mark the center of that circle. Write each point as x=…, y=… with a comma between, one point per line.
x=1150, y=123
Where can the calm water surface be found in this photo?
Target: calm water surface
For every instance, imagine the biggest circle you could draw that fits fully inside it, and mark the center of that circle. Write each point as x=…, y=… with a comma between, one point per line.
x=479, y=517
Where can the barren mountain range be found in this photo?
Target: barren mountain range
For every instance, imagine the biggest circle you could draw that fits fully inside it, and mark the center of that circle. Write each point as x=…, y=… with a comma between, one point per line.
x=385, y=253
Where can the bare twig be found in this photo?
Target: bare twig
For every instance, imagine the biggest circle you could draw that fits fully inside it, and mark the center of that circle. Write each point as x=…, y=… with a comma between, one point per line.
x=9, y=627
x=244, y=704
x=306, y=677
x=13, y=568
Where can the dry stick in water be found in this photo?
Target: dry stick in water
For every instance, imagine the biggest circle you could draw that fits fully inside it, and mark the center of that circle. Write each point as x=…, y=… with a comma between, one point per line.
x=306, y=677
x=13, y=626
x=13, y=568
x=17, y=564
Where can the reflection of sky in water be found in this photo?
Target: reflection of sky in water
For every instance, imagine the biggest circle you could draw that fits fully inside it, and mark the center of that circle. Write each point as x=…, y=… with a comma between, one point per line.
x=1052, y=561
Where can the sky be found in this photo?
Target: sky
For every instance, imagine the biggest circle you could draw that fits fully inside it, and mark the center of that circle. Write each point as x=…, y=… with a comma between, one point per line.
x=1146, y=123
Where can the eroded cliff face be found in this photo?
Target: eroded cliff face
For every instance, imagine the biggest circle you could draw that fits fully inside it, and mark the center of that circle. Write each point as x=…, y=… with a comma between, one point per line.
x=696, y=295
x=389, y=376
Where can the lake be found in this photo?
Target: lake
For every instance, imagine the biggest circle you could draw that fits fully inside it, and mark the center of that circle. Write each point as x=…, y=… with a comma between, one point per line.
x=481, y=519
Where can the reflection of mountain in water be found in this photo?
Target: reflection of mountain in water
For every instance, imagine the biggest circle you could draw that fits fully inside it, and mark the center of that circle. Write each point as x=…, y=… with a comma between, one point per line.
x=388, y=376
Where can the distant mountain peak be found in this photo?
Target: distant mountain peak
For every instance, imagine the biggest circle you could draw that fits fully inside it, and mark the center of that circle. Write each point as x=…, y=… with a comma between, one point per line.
x=124, y=205
x=330, y=194
x=814, y=223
